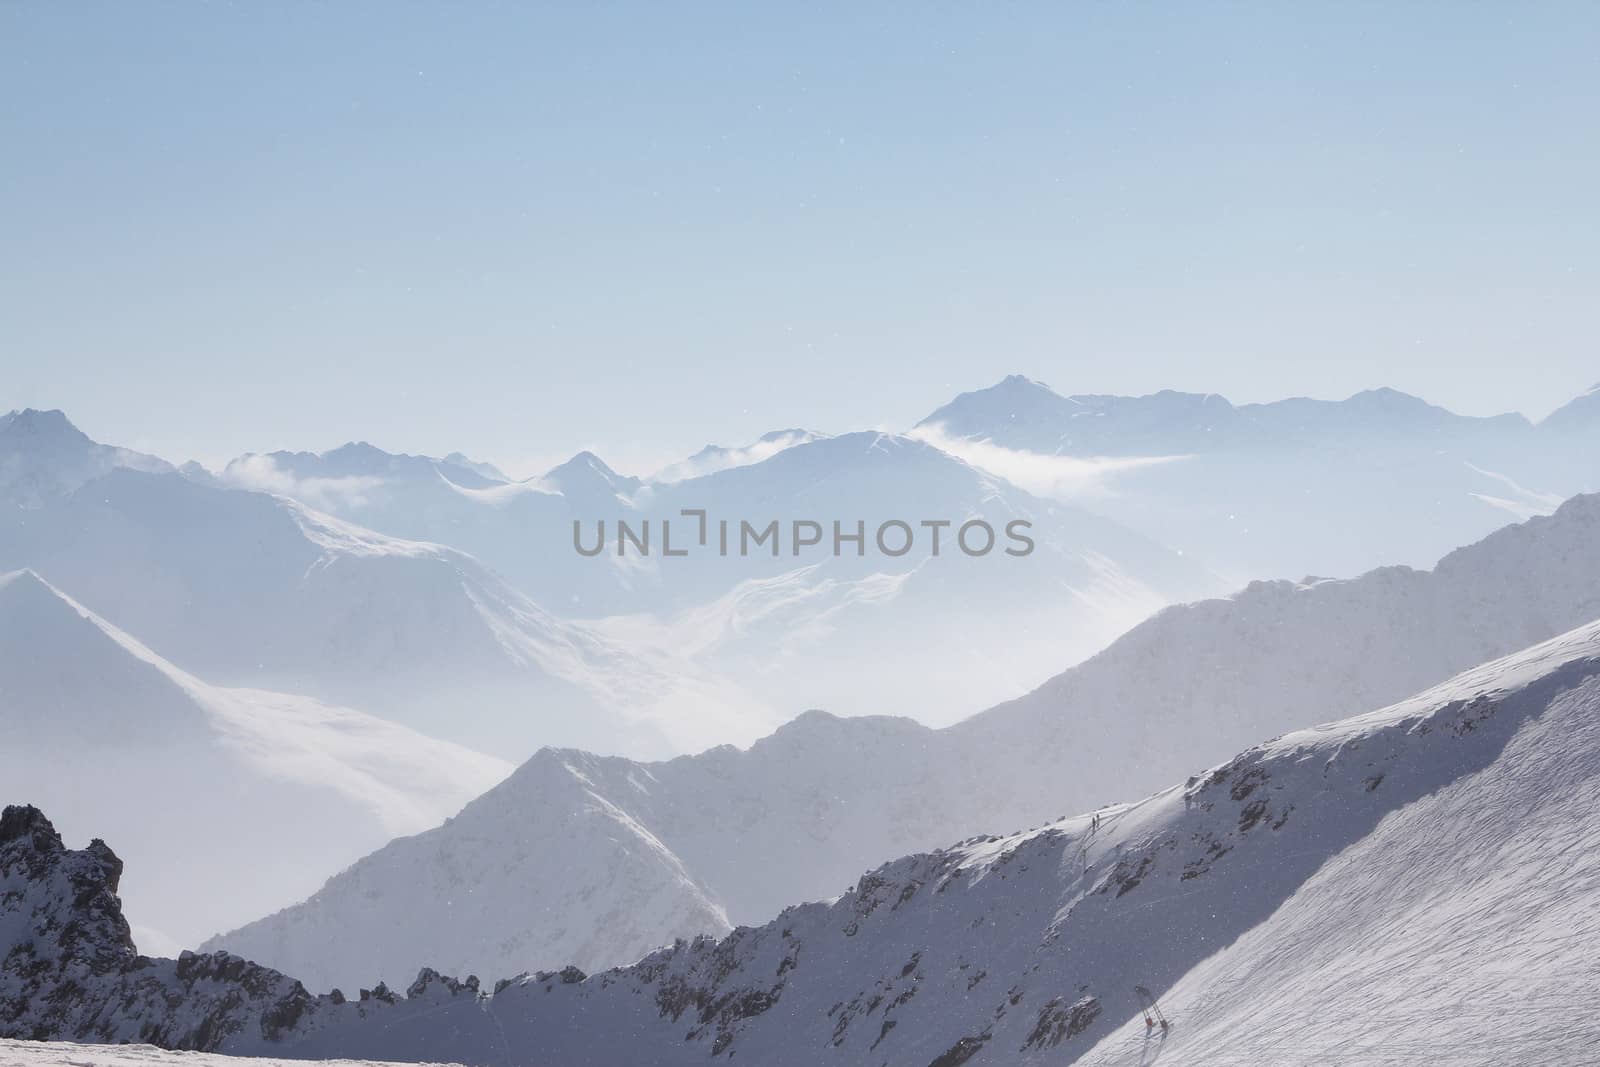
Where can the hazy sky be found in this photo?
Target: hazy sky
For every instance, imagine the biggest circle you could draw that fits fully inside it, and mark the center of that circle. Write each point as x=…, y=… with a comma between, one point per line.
x=518, y=232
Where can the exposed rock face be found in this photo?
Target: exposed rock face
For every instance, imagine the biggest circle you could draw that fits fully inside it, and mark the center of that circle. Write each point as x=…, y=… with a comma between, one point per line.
x=61, y=925
x=69, y=969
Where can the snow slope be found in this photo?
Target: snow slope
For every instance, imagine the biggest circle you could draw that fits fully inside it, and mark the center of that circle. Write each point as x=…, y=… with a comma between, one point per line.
x=1460, y=931
x=1389, y=848
x=801, y=812
x=224, y=777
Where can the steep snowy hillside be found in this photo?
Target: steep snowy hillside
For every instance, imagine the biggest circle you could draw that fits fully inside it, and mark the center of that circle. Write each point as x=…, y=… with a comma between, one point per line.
x=224, y=777
x=44, y=457
x=649, y=852
x=801, y=812
x=1460, y=931
x=244, y=588
x=1366, y=862
x=543, y=868
x=1200, y=680
x=1293, y=487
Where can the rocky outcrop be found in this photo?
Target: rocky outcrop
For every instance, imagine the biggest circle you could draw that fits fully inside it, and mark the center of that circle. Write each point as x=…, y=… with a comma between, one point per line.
x=69, y=970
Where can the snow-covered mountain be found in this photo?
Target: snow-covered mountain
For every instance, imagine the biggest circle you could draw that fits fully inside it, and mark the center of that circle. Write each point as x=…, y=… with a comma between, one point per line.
x=1024, y=414
x=800, y=812
x=1297, y=486
x=43, y=457
x=1361, y=889
x=547, y=868
x=851, y=633
x=224, y=778
x=251, y=589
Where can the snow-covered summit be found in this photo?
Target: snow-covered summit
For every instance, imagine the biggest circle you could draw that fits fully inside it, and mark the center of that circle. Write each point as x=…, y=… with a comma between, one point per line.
x=43, y=457
x=585, y=478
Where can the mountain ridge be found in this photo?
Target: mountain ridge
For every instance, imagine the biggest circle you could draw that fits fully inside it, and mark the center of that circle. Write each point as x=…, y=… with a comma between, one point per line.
x=1025, y=948
x=1183, y=687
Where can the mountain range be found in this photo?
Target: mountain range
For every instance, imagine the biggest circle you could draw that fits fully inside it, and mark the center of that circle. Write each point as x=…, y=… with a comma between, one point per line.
x=732, y=835
x=1296, y=486
x=1311, y=899
x=263, y=588
x=247, y=634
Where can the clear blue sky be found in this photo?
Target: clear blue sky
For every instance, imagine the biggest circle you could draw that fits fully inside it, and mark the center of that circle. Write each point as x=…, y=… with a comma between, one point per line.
x=519, y=231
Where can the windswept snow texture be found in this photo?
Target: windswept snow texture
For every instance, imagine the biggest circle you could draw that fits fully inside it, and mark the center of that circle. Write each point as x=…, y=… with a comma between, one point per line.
x=802, y=812
x=227, y=801
x=1366, y=865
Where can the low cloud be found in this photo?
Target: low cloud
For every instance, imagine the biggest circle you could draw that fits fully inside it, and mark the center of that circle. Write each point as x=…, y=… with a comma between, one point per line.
x=262, y=474
x=720, y=459
x=1055, y=477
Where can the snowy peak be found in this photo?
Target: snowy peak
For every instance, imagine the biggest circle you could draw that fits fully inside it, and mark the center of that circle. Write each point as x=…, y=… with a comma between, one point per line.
x=67, y=681
x=1581, y=414
x=23, y=587
x=50, y=428
x=44, y=457
x=1015, y=401
x=586, y=475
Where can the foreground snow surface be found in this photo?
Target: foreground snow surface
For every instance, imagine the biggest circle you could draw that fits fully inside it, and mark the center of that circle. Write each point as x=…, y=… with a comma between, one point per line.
x=71, y=1054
